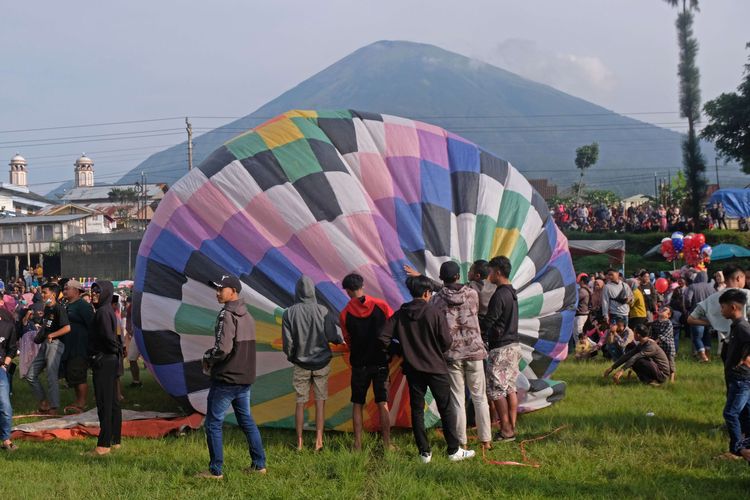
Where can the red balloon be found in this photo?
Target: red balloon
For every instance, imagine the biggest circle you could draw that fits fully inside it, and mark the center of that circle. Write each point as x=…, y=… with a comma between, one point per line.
x=699, y=240
x=661, y=285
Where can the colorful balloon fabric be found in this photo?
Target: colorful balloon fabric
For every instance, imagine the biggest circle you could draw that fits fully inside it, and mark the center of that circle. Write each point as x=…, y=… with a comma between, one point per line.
x=326, y=194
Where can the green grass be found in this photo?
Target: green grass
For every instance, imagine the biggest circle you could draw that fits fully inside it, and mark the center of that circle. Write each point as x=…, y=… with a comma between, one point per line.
x=609, y=449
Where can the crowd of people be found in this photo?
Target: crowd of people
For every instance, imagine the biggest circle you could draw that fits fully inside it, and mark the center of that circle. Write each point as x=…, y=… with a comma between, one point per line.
x=459, y=340
x=454, y=339
x=643, y=218
x=57, y=326
x=638, y=328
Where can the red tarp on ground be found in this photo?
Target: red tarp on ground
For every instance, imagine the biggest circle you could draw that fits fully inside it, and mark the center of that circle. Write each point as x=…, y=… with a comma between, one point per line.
x=148, y=428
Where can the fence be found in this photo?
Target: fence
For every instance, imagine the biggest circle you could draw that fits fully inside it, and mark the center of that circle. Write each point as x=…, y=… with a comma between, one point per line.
x=104, y=256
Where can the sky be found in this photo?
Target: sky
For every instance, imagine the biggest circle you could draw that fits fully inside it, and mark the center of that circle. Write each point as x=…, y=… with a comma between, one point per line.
x=72, y=63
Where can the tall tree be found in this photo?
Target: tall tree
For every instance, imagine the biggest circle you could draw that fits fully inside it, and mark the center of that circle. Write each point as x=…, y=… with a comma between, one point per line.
x=586, y=157
x=690, y=105
x=729, y=122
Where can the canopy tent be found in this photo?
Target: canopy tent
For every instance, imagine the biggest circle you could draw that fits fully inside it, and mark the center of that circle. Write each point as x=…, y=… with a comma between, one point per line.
x=736, y=201
x=729, y=251
x=614, y=248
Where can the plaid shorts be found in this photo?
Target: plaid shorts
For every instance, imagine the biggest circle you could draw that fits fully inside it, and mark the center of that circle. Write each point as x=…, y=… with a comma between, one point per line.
x=502, y=371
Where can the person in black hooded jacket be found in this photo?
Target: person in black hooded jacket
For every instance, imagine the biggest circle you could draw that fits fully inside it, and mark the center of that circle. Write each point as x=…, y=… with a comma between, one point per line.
x=105, y=353
x=421, y=330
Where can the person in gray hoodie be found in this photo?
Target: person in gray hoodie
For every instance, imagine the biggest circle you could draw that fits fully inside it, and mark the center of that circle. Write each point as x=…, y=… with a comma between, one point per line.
x=306, y=329
x=460, y=305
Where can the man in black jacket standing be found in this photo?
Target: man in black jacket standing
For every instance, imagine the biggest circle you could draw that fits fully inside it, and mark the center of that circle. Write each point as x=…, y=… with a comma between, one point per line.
x=231, y=365
x=500, y=331
x=422, y=332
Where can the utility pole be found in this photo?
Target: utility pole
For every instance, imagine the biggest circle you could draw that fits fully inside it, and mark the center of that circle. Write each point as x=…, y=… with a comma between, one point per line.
x=656, y=190
x=716, y=162
x=144, y=199
x=189, y=128
x=669, y=181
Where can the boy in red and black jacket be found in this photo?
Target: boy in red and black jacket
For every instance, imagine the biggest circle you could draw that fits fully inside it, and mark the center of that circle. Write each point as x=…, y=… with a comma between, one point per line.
x=361, y=322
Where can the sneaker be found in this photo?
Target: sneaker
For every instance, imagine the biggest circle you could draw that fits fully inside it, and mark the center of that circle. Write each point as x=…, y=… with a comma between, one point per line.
x=425, y=458
x=461, y=454
x=207, y=474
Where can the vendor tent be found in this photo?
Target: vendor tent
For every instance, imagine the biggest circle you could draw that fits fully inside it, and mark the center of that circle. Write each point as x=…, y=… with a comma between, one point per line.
x=729, y=251
x=614, y=248
x=736, y=201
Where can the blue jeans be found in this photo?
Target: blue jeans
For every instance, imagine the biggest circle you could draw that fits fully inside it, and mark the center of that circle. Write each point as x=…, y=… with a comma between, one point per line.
x=701, y=338
x=220, y=396
x=49, y=356
x=737, y=411
x=6, y=411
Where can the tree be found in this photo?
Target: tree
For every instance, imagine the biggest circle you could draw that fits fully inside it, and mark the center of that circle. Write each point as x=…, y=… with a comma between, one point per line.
x=690, y=96
x=586, y=157
x=123, y=195
x=729, y=122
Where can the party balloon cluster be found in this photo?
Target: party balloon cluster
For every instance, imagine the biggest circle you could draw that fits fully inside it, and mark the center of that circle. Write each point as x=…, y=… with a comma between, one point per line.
x=692, y=248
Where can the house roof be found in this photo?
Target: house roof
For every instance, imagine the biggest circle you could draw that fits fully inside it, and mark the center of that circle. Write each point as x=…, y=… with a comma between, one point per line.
x=101, y=192
x=42, y=219
x=28, y=195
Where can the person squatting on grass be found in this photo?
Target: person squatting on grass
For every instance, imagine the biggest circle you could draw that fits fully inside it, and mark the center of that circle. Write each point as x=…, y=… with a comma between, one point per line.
x=646, y=359
x=306, y=329
x=54, y=325
x=500, y=333
x=105, y=354
x=231, y=365
x=422, y=333
x=737, y=373
x=460, y=305
x=7, y=353
x=361, y=322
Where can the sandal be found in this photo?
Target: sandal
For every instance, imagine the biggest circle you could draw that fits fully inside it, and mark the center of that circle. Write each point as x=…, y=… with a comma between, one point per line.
x=9, y=447
x=73, y=410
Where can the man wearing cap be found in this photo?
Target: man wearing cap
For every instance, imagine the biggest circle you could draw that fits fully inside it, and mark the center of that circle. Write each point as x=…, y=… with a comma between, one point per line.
x=80, y=315
x=231, y=365
x=460, y=305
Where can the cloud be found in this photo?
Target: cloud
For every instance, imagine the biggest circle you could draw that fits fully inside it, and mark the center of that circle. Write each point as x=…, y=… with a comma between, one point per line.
x=581, y=75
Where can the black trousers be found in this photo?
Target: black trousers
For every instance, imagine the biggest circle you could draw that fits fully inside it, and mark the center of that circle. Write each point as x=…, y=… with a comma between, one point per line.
x=439, y=385
x=648, y=372
x=107, y=404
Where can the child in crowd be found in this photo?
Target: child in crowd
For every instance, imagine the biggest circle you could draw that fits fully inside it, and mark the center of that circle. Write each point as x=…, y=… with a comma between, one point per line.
x=663, y=333
x=617, y=339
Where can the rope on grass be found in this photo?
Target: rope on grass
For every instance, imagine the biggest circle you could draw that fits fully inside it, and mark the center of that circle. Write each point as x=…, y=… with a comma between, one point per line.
x=525, y=462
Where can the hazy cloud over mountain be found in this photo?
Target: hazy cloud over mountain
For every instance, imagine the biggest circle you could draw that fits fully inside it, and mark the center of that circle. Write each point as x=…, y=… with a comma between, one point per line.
x=577, y=74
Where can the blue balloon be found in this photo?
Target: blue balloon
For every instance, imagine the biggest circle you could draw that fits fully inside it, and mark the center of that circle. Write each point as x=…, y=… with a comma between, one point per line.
x=677, y=242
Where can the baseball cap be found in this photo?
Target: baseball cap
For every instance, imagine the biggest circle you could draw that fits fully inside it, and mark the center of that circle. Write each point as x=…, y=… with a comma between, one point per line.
x=449, y=270
x=227, y=281
x=74, y=284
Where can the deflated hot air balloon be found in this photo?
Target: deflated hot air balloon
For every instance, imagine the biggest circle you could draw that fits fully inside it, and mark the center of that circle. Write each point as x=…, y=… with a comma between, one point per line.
x=327, y=193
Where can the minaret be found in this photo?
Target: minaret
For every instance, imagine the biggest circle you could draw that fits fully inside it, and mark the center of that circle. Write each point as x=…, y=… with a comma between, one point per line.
x=18, y=171
x=84, y=171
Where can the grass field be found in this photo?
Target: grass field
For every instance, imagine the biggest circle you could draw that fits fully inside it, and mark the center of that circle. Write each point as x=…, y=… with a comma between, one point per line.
x=610, y=448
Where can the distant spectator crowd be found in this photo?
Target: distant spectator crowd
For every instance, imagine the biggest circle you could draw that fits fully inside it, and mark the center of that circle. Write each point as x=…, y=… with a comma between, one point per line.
x=647, y=217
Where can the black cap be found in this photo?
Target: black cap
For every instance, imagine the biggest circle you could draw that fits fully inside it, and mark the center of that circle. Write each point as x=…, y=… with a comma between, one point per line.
x=449, y=269
x=227, y=281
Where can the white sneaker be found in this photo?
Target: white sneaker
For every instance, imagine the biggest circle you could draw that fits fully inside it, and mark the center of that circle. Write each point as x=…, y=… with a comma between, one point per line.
x=425, y=458
x=461, y=454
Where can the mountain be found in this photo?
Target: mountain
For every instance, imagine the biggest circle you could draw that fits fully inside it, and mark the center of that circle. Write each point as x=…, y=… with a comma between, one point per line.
x=534, y=126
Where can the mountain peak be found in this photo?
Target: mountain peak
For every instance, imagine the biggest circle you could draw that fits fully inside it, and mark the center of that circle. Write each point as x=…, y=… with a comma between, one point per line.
x=532, y=125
